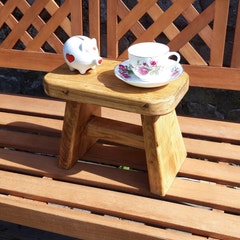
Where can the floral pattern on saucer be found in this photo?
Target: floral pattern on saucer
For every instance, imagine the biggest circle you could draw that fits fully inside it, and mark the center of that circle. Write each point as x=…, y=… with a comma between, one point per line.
x=124, y=72
x=145, y=68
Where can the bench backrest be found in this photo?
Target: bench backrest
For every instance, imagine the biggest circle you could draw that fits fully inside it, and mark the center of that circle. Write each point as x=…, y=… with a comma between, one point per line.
x=198, y=34
x=33, y=32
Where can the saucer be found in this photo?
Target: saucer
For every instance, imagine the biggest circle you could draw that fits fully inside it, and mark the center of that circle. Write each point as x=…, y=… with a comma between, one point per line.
x=124, y=73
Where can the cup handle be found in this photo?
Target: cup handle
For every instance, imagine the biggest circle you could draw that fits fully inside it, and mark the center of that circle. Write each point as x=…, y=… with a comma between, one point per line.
x=169, y=54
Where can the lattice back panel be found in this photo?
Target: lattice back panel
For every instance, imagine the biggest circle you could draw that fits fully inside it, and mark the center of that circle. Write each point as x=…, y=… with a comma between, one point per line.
x=198, y=34
x=35, y=31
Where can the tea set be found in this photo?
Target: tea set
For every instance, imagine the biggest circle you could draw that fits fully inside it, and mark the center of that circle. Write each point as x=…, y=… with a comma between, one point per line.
x=148, y=65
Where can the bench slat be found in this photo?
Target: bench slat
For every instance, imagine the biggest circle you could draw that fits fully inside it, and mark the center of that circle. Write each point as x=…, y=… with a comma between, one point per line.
x=212, y=129
x=213, y=150
x=210, y=171
x=156, y=212
x=31, y=123
x=80, y=224
x=29, y=142
x=217, y=77
x=32, y=105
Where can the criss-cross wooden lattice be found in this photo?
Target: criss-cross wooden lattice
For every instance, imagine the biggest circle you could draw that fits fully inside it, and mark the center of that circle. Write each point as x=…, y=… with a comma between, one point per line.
x=179, y=23
x=35, y=31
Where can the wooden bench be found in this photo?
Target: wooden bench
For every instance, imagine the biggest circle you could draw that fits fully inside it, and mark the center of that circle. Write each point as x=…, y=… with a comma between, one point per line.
x=106, y=194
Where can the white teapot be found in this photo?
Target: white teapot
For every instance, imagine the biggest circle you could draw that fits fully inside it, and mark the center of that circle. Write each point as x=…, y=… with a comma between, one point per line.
x=81, y=53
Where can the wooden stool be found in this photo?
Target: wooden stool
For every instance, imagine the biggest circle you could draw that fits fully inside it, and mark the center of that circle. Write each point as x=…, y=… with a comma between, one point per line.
x=86, y=94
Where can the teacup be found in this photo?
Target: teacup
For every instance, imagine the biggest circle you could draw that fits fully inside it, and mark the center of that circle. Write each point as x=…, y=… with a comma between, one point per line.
x=150, y=61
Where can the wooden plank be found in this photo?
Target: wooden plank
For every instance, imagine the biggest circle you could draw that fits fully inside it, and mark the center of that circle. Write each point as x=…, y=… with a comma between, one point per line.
x=159, y=213
x=35, y=106
x=29, y=142
x=217, y=77
x=30, y=60
x=210, y=129
x=219, y=32
x=213, y=150
x=236, y=48
x=32, y=124
x=94, y=22
x=115, y=131
x=201, y=193
x=210, y=171
x=112, y=40
x=123, y=116
x=76, y=17
x=79, y=224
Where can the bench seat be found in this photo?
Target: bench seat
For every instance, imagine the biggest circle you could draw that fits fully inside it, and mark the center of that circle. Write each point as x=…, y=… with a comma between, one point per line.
x=107, y=191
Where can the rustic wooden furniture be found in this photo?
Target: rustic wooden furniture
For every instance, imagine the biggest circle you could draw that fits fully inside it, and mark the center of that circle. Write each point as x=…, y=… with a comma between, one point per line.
x=85, y=94
x=106, y=193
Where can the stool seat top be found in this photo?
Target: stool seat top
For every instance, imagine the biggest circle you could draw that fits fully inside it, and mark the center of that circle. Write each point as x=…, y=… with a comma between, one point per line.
x=101, y=87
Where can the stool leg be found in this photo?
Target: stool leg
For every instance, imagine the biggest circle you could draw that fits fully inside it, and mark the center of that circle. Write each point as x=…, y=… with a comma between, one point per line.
x=165, y=150
x=73, y=142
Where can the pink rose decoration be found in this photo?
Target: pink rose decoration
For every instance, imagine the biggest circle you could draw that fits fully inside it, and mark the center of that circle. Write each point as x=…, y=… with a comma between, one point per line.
x=143, y=70
x=153, y=63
